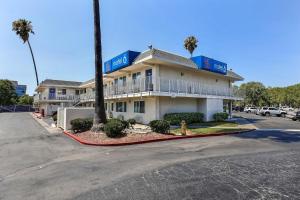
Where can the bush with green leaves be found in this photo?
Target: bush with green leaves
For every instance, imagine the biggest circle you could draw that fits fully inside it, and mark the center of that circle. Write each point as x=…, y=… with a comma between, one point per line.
x=160, y=126
x=80, y=125
x=115, y=127
x=188, y=117
x=219, y=117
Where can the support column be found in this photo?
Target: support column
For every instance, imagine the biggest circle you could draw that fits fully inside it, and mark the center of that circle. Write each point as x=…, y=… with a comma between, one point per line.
x=155, y=78
x=230, y=108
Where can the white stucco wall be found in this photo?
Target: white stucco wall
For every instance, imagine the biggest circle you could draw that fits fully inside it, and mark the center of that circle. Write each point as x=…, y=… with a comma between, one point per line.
x=73, y=113
x=209, y=107
x=176, y=105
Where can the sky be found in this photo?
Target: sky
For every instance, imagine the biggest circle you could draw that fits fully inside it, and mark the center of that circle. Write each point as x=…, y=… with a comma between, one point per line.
x=258, y=39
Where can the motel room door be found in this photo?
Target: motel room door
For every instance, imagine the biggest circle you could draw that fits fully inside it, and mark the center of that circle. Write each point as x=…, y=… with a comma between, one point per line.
x=148, y=80
x=52, y=93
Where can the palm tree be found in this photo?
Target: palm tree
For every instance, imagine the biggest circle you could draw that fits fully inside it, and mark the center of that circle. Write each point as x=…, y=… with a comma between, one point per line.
x=190, y=44
x=23, y=28
x=100, y=115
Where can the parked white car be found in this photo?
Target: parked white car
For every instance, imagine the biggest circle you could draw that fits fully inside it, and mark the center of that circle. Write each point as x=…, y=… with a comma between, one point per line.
x=286, y=108
x=272, y=111
x=261, y=110
x=250, y=109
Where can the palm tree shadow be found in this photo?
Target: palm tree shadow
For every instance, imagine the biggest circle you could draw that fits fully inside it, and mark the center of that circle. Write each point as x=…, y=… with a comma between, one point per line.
x=277, y=136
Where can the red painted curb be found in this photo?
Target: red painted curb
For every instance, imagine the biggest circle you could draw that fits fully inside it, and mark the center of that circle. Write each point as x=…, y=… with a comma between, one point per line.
x=78, y=139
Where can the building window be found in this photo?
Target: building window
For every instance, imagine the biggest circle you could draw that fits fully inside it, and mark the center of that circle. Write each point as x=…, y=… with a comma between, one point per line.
x=105, y=106
x=112, y=106
x=135, y=77
x=62, y=91
x=139, y=106
x=77, y=92
x=121, y=106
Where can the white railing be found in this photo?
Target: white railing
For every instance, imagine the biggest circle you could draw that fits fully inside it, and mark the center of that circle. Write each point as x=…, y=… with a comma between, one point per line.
x=159, y=85
x=40, y=97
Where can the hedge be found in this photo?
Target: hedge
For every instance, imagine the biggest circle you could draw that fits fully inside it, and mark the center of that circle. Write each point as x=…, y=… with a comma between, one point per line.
x=115, y=127
x=81, y=125
x=160, y=126
x=219, y=117
x=188, y=117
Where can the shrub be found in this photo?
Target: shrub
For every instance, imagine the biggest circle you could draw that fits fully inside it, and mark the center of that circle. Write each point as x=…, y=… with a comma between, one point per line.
x=114, y=128
x=160, y=126
x=189, y=118
x=219, y=117
x=80, y=125
x=131, y=122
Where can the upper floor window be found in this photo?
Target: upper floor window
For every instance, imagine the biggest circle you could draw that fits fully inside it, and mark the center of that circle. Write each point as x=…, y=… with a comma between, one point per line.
x=122, y=81
x=121, y=107
x=62, y=91
x=135, y=77
x=139, y=106
x=77, y=92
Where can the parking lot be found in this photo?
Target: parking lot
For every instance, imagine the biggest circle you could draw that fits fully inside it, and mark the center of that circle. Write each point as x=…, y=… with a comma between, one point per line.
x=272, y=122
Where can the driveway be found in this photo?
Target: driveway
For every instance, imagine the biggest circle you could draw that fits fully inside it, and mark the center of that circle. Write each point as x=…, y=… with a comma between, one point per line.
x=263, y=122
x=38, y=165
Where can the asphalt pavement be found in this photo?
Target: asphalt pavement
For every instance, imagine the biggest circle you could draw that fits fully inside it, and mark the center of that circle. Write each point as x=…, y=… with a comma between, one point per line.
x=273, y=122
x=38, y=165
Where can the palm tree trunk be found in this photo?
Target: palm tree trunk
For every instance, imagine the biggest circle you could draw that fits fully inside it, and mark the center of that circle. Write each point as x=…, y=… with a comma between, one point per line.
x=36, y=74
x=100, y=115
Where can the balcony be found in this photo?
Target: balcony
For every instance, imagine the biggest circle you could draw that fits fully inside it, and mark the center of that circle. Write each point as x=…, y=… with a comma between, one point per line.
x=164, y=87
x=55, y=98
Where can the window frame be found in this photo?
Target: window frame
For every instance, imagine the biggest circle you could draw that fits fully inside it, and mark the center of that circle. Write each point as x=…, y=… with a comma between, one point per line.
x=139, y=107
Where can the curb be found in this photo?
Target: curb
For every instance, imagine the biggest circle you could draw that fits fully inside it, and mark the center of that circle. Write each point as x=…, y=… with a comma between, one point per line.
x=78, y=139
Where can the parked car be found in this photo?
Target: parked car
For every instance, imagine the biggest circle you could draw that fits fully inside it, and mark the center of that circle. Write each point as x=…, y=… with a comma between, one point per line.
x=250, y=109
x=286, y=108
x=261, y=110
x=272, y=111
x=293, y=115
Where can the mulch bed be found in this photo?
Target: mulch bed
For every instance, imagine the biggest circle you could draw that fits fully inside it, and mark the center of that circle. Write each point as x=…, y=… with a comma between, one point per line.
x=91, y=137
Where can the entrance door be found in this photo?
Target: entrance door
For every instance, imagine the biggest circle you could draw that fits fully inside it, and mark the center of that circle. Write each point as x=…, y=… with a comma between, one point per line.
x=52, y=93
x=148, y=80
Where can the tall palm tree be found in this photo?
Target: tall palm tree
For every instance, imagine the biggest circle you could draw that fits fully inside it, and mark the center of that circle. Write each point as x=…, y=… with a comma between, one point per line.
x=23, y=28
x=100, y=115
x=190, y=44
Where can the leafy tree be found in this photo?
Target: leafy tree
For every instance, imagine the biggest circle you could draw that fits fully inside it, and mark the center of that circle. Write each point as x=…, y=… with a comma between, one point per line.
x=7, y=93
x=255, y=93
x=190, y=44
x=23, y=29
x=25, y=100
x=100, y=115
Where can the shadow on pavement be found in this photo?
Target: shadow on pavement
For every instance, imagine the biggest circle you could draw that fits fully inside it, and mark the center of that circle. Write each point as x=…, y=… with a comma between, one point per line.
x=278, y=136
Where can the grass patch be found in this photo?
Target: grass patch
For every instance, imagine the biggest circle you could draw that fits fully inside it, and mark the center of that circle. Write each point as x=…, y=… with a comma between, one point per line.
x=215, y=124
x=208, y=130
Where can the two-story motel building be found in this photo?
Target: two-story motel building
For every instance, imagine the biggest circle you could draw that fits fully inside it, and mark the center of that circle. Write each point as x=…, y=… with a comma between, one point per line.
x=147, y=85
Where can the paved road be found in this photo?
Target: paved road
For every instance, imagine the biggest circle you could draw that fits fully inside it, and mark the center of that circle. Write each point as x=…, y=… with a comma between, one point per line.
x=38, y=165
x=264, y=122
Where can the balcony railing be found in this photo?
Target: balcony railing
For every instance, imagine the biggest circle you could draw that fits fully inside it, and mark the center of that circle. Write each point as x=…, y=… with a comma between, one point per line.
x=166, y=86
x=40, y=97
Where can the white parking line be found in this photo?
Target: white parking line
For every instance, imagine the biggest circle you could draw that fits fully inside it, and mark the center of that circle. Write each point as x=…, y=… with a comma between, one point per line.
x=285, y=130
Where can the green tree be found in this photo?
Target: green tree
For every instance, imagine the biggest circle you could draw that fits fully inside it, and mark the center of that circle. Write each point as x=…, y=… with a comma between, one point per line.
x=23, y=29
x=100, y=115
x=255, y=93
x=190, y=44
x=7, y=93
x=25, y=100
